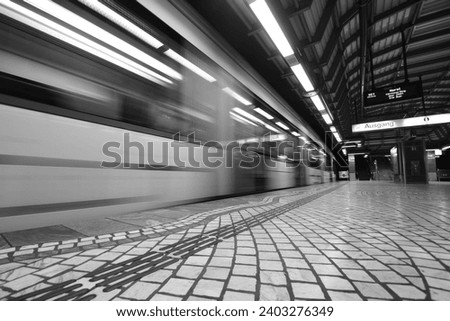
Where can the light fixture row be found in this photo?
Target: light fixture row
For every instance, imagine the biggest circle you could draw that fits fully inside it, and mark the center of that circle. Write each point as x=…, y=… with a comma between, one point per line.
x=273, y=29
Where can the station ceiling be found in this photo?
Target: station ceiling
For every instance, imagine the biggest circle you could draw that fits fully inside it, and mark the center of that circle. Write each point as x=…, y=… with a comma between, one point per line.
x=346, y=46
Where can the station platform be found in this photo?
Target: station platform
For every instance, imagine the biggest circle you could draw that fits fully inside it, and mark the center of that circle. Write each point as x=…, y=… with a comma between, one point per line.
x=336, y=241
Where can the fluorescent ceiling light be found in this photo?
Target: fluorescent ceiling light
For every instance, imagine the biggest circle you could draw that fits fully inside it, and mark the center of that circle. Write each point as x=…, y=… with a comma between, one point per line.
x=337, y=136
x=263, y=113
x=365, y=156
x=445, y=147
x=282, y=125
x=122, y=22
x=344, y=151
x=92, y=29
x=62, y=33
x=271, y=128
x=172, y=54
x=327, y=118
x=318, y=102
x=295, y=134
x=301, y=75
x=236, y=96
x=241, y=119
x=333, y=129
x=270, y=24
x=247, y=115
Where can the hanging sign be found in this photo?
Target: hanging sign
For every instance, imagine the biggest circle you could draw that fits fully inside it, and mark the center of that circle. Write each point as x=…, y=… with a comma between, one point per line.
x=404, y=122
x=384, y=95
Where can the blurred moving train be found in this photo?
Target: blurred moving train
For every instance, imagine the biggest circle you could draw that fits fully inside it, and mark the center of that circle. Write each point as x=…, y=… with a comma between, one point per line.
x=77, y=76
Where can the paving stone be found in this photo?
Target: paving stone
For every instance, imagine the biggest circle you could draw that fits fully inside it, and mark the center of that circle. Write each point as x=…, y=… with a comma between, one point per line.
x=373, y=265
x=241, y=283
x=53, y=270
x=290, y=254
x=221, y=261
x=165, y=297
x=389, y=277
x=344, y=296
x=310, y=250
x=93, y=252
x=404, y=270
x=189, y=271
x=372, y=290
x=439, y=295
x=136, y=251
x=438, y=283
x=346, y=264
x=177, y=286
x=246, y=251
x=158, y=276
x=109, y=256
x=358, y=275
x=326, y=269
x=357, y=255
x=386, y=259
x=270, y=265
x=238, y=296
x=22, y=283
x=272, y=277
x=89, y=266
x=301, y=275
x=321, y=259
x=428, y=263
x=224, y=252
x=209, y=288
x=334, y=254
x=9, y=266
x=336, y=283
x=306, y=291
x=36, y=287
x=269, y=256
x=197, y=260
x=247, y=270
x=216, y=273
x=140, y=290
x=296, y=263
x=407, y=292
x=16, y=273
x=245, y=259
x=273, y=293
x=76, y=260
x=440, y=274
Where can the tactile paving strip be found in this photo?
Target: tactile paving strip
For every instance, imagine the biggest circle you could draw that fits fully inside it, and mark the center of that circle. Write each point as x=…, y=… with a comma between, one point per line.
x=113, y=276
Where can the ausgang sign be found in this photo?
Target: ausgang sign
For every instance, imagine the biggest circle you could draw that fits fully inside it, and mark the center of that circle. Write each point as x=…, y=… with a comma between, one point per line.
x=384, y=95
x=404, y=122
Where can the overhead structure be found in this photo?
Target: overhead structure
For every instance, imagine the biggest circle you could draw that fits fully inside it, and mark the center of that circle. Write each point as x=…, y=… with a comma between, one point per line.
x=327, y=56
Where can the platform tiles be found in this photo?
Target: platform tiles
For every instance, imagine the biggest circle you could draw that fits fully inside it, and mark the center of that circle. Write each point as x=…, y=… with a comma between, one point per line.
x=349, y=241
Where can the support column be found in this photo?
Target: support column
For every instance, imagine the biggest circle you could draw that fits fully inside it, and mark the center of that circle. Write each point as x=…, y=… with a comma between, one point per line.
x=414, y=161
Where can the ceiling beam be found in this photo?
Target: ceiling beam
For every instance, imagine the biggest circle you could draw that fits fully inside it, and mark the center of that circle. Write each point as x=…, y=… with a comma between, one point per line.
x=363, y=24
x=394, y=10
x=413, y=53
x=299, y=9
x=324, y=20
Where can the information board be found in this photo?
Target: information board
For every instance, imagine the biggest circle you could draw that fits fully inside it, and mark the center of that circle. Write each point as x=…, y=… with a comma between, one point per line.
x=391, y=94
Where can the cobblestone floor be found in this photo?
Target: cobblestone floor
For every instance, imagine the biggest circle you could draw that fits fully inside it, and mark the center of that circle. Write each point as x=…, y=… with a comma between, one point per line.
x=347, y=241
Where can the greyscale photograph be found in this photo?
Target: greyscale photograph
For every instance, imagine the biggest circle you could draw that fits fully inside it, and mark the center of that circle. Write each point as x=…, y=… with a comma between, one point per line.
x=225, y=150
